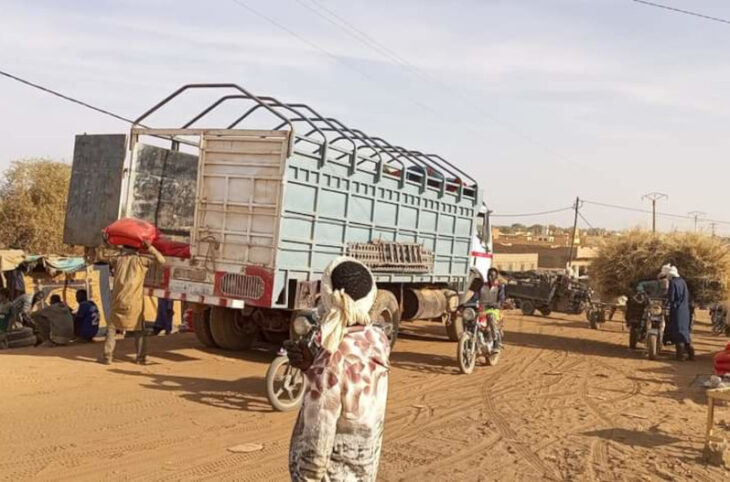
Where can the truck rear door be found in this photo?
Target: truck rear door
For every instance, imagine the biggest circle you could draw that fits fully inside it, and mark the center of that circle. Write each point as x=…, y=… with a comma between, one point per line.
x=238, y=205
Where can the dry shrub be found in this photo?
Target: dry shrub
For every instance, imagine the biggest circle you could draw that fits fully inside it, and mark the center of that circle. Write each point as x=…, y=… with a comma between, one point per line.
x=703, y=261
x=33, y=206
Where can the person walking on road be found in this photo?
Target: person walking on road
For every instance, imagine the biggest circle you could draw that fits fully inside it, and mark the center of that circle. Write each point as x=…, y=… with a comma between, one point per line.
x=679, y=327
x=127, y=311
x=339, y=431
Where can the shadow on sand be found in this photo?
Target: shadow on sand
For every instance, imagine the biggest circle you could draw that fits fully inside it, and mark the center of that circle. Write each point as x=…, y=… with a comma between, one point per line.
x=247, y=393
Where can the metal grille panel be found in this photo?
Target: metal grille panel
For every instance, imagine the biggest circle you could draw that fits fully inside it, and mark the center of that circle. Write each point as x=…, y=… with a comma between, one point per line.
x=242, y=286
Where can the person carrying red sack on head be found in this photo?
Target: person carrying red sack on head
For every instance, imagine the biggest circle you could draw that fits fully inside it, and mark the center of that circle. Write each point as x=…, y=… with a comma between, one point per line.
x=129, y=268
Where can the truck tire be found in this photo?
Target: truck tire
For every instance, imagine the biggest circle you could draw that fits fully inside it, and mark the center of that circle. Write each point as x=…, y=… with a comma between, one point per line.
x=455, y=329
x=527, y=307
x=386, y=314
x=231, y=330
x=201, y=324
x=545, y=311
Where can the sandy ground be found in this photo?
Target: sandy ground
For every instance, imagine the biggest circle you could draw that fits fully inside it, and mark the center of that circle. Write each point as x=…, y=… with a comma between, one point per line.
x=564, y=403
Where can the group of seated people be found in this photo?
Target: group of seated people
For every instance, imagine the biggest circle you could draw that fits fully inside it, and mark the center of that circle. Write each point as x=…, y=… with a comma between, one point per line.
x=54, y=324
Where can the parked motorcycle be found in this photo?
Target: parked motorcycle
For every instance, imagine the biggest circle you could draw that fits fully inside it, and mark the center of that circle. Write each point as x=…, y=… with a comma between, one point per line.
x=481, y=330
x=645, y=317
x=285, y=383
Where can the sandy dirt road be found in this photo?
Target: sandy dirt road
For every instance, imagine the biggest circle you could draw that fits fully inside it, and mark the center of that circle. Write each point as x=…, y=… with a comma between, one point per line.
x=564, y=403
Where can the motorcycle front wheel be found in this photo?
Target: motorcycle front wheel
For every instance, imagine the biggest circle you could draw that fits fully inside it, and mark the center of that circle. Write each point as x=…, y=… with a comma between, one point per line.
x=652, y=346
x=285, y=385
x=467, y=353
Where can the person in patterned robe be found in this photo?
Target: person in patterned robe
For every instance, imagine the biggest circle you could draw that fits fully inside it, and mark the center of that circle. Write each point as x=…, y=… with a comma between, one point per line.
x=339, y=431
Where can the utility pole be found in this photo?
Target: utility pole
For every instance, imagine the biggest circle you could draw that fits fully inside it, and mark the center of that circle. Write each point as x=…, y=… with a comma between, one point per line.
x=575, y=229
x=713, y=225
x=697, y=215
x=654, y=197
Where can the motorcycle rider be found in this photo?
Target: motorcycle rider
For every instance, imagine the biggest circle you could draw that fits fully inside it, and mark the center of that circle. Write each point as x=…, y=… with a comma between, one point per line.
x=492, y=295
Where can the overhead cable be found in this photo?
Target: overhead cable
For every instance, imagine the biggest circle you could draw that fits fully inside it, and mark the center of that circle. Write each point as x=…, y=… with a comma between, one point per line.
x=65, y=97
x=685, y=12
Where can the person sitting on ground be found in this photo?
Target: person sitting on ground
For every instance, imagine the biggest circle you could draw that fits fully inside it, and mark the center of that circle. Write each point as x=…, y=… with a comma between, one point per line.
x=22, y=306
x=127, y=313
x=339, y=431
x=86, y=319
x=56, y=300
x=53, y=325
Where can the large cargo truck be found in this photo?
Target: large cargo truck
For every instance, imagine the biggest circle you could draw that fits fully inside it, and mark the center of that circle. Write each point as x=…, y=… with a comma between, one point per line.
x=267, y=199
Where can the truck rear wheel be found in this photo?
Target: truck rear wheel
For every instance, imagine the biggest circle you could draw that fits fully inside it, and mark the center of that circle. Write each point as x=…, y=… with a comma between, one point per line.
x=231, y=330
x=201, y=325
x=386, y=314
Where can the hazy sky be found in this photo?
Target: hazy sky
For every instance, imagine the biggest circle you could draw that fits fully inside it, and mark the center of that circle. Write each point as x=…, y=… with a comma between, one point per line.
x=542, y=100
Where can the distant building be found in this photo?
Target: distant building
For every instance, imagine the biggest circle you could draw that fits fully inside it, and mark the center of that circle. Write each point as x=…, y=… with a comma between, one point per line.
x=548, y=256
x=515, y=261
x=546, y=238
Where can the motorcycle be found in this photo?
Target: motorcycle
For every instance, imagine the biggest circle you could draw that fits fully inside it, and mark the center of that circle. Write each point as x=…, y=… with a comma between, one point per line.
x=649, y=327
x=481, y=331
x=285, y=384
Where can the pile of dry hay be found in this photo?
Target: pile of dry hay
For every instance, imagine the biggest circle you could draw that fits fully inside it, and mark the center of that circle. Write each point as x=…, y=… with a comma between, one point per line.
x=703, y=261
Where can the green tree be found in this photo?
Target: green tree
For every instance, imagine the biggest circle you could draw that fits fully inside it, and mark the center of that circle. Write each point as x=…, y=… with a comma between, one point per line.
x=33, y=205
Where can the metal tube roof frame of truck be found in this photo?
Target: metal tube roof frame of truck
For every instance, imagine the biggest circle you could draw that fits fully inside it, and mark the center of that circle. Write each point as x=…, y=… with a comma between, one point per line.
x=268, y=196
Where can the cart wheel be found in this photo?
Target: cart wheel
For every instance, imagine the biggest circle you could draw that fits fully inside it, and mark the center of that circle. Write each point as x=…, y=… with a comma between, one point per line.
x=527, y=307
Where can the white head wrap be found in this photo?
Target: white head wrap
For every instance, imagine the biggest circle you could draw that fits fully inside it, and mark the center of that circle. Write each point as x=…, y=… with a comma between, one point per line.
x=669, y=271
x=340, y=310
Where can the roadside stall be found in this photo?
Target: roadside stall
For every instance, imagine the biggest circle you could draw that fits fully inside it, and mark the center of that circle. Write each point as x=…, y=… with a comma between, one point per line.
x=48, y=275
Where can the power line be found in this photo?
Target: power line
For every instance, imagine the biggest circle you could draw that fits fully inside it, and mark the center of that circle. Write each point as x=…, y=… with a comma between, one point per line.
x=585, y=220
x=637, y=210
x=647, y=211
x=65, y=97
x=541, y=213
x=383, y=50
x=331, y=55
x=353, y=31
x=686, y=12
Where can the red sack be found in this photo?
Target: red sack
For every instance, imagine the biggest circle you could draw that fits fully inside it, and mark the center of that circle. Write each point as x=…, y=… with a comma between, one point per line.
x=722, y=361
x=172, y=248
x=130, y=232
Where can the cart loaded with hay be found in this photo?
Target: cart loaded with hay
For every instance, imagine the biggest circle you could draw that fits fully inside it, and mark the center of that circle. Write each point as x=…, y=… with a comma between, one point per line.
x=703, y=261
